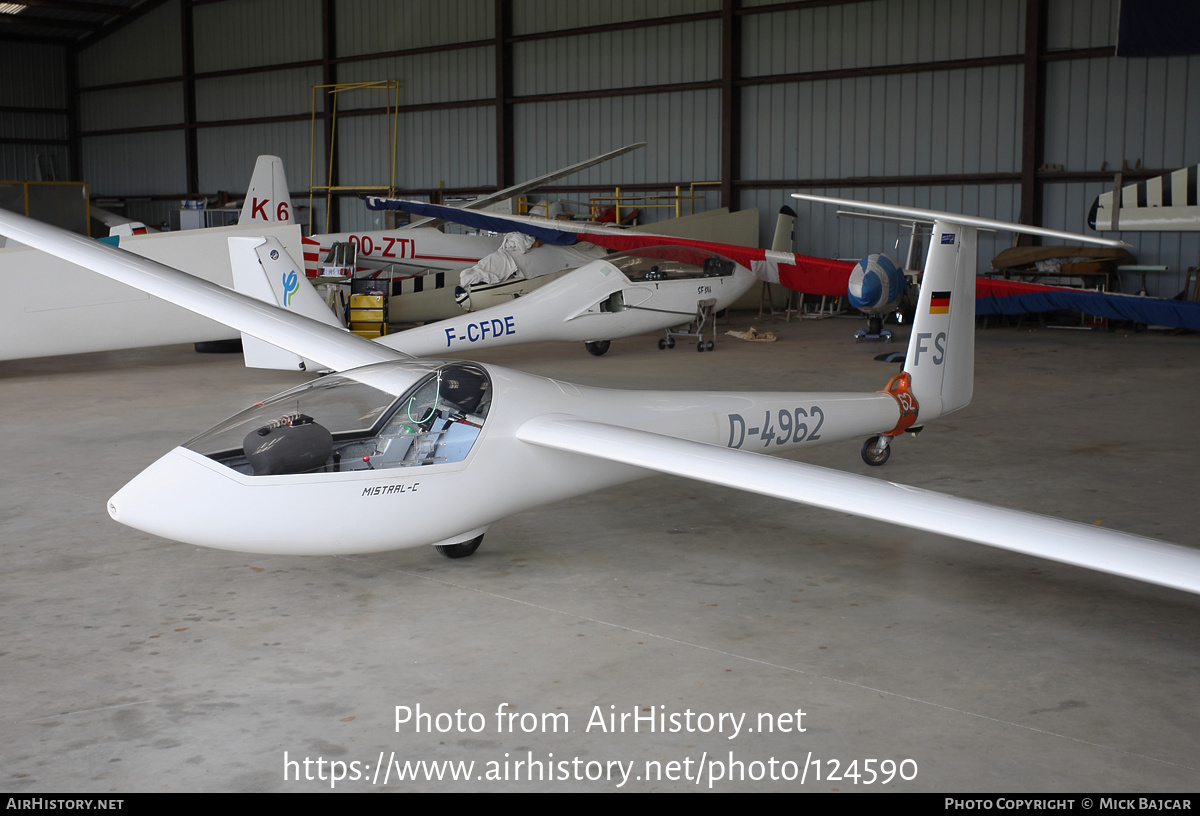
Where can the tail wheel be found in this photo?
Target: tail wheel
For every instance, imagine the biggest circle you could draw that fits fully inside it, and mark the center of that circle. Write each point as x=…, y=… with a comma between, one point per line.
x=872, y=454
x=597, y=348
x=459, y=550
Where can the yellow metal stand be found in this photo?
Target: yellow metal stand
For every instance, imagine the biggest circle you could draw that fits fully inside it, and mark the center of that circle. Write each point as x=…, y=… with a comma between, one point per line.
x=391, y=87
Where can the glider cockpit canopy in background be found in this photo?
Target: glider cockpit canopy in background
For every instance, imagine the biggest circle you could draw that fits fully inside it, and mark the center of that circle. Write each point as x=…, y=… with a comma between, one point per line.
x=400, y=442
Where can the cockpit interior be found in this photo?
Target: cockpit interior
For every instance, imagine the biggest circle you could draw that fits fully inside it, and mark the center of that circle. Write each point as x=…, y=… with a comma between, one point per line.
x=670, y=263
x=391, y=415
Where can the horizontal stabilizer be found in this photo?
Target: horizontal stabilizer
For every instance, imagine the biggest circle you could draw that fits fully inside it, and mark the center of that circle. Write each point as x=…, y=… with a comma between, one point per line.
x=1081, y=545
x=957, y=218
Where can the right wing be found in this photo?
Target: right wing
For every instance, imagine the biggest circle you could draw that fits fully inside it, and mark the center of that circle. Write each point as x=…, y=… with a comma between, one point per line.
x=1111, y=551
x=326, y=345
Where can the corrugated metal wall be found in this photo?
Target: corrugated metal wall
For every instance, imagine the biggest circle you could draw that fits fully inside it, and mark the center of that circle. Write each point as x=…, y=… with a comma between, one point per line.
x=135, y=164
x=682, y=52
x=1107, y=113
x=250, y=33
x=534, y=16
x=426, y=79
x=34, y=75
x=34, y=80
x=143, y=163
x=880, y=32
x=375, y=26
x=892, y=125
x=147, y=48
x=682, y=131
x=826, y=94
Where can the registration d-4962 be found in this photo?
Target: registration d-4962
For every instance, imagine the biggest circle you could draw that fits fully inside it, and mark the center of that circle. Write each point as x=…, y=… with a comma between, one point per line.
x=779, y=426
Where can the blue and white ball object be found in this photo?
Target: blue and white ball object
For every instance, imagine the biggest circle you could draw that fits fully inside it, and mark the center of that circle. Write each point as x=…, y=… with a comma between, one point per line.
x=876, y=284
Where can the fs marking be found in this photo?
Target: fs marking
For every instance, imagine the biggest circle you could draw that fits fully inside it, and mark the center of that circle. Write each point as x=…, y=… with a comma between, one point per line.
x=938, y=350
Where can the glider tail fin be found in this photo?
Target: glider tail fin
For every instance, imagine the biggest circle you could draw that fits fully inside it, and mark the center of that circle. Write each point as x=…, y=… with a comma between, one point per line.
x=941, y=346
x=263, y=269
x=268, y=199
x=785, y=226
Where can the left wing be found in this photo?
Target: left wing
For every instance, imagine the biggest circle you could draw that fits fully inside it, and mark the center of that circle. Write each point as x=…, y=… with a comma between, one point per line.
x=1131, y=556
x=327, y=345
x=802, y=273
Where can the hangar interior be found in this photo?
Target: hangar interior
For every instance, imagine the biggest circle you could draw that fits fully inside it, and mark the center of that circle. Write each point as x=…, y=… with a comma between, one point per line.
x=140, y=664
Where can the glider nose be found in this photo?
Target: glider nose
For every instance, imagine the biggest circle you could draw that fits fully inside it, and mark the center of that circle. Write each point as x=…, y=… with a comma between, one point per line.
x=187, y=497
x=150, y=501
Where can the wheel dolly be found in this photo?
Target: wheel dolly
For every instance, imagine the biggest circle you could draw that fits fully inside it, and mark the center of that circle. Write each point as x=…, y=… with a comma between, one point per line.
x=705, y=316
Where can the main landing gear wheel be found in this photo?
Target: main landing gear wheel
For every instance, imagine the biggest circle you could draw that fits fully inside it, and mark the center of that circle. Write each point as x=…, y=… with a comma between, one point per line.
x=460, y=550
x=871, y=454
x=666, y=344
x=597, y=348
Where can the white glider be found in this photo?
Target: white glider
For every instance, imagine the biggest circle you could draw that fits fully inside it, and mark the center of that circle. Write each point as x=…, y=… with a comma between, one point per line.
x=428, y=452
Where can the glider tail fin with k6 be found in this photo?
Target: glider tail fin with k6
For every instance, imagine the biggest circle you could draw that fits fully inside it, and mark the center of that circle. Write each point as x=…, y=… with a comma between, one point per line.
x=267, y=200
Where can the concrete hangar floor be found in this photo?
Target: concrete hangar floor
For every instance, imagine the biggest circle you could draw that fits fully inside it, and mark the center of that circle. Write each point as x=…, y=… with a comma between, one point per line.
x=133, y=663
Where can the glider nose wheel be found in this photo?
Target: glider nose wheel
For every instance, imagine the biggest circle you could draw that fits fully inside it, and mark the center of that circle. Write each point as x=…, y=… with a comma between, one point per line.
x=597, y=348
x=459, y=550
x=875, y=451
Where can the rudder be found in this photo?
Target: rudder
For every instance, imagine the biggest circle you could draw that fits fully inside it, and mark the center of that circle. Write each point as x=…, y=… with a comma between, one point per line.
x=941, y=347
x=263, y=269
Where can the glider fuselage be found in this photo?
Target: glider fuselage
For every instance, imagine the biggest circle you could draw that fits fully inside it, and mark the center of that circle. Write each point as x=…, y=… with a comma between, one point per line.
x=399, y=482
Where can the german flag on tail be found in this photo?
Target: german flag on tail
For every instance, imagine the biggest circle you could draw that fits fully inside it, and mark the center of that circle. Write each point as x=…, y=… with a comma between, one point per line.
x=939, y=303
